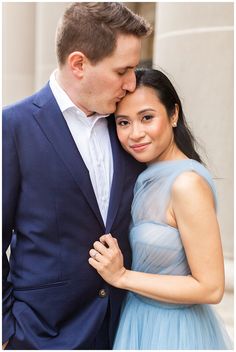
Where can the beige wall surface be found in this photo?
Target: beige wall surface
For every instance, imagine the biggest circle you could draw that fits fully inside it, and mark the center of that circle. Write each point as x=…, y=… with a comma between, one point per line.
x=28, y=46
x=194, y=46
x=18, y=67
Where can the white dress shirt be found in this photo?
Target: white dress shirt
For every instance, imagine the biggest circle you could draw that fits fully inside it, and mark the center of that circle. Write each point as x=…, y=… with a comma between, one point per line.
x=92, y=139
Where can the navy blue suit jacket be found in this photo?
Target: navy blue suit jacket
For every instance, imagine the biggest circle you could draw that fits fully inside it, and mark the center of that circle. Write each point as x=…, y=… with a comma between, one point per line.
x=51, y=219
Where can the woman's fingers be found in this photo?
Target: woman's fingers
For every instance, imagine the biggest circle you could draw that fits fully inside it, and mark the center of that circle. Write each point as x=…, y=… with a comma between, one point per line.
x=107, y=259
x=104, y=252
x=98, y=257
x=108, y=240
x=105, y=244
x=101, y=248
x=94, y=263
x=97, y=260
x=95, y=254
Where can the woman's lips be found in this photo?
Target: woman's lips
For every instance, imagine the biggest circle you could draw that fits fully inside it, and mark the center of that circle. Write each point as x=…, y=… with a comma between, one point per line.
x=139, y=147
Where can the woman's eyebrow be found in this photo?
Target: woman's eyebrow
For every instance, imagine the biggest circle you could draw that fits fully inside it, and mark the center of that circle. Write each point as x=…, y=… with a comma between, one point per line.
x=138, y=113
x=145, y=110
x=123, y=116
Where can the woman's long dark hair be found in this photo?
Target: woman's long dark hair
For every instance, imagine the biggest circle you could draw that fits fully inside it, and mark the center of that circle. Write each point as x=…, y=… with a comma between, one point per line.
x=169, y=98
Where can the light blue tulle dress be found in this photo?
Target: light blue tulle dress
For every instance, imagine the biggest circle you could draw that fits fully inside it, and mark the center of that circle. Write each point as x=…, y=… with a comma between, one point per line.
x=157, y=248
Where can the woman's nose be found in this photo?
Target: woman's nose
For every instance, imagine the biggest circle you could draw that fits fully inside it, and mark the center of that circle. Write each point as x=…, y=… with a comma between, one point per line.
x=137, y=132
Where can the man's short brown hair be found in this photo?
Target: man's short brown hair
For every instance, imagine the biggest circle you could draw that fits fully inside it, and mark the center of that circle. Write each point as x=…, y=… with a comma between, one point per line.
x=92, y=28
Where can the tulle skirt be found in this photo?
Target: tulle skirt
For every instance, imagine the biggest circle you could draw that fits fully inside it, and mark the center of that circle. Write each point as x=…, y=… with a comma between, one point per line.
x=147, y=324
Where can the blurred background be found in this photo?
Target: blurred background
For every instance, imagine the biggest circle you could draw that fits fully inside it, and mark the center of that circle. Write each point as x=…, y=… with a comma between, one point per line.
x=192, y=43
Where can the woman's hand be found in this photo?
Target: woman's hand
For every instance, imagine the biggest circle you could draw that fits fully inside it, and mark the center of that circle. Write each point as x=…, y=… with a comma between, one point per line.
x=107, y=259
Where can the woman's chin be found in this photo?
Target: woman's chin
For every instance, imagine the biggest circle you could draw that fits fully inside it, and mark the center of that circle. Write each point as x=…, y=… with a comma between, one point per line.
x=141, y=159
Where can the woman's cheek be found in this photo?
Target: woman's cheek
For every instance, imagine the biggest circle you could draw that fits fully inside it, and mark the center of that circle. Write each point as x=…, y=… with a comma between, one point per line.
x=122, y=136
x=154, y=129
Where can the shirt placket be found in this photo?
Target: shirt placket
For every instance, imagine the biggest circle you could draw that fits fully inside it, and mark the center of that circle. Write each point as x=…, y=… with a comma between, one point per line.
x=102, y=184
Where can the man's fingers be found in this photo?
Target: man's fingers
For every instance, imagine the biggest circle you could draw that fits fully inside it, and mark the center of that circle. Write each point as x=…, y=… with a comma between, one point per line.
x=5, y=345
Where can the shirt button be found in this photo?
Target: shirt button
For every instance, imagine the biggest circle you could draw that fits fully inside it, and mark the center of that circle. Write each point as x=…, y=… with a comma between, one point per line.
x=102, y=293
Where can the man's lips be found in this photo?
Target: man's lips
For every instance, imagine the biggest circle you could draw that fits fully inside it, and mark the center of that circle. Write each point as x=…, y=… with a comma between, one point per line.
x=119, y=98
x=139, y=147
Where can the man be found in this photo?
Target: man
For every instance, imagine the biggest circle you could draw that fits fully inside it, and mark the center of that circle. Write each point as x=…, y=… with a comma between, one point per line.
x=66, y=181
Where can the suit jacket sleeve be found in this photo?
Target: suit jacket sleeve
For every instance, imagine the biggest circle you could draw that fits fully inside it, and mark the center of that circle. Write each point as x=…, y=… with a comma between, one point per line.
x=11, y=186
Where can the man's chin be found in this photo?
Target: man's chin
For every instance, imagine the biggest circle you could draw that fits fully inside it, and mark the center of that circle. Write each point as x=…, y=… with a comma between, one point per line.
x=108, y=110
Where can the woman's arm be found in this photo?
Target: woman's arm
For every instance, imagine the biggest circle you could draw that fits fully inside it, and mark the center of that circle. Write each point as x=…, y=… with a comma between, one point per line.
x=192, y=208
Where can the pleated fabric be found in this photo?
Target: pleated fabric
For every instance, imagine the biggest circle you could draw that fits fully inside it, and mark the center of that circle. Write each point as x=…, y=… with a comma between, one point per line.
x=147, y=324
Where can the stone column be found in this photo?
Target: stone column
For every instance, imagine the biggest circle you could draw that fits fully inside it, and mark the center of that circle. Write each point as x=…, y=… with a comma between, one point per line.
x=18, y=50
x=194, y=46
x=147, y=10
x=47, y=16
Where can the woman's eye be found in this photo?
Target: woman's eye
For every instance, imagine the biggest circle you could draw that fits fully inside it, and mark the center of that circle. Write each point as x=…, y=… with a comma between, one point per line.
x=147, y=117
x=122, y=123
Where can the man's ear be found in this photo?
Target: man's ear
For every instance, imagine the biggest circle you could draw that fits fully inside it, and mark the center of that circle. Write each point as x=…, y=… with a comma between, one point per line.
x=76, y=62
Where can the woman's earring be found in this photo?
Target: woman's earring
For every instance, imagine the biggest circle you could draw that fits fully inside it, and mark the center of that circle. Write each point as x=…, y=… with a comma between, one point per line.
x=174, y=124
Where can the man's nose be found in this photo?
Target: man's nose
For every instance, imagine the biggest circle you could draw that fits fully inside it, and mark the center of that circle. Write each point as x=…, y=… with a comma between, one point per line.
x=130, y=82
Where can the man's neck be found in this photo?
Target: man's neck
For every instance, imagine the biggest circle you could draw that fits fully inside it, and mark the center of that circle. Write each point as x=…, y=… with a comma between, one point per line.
x=67, y=84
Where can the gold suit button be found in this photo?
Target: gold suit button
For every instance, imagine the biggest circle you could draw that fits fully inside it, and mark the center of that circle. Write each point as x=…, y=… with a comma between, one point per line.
x=102, y=293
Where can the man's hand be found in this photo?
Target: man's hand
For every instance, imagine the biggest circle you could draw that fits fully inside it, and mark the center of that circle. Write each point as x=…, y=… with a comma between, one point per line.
x=4, y=345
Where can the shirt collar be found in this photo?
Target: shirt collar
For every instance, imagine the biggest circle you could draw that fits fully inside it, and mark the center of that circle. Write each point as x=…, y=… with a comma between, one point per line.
x=60, y=95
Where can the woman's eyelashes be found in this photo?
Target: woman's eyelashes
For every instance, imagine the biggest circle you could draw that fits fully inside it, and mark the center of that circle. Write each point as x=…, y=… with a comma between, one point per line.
x=122, y=122
x=147, y=117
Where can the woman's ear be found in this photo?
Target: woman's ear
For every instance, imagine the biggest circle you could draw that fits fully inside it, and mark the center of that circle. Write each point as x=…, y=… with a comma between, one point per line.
x=175, y=116
x=76, y=62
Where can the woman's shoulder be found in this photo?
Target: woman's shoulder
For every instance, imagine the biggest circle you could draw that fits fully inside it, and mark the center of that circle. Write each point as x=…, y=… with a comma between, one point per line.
x=188, y=181
x=188, y=170
x=193, y=183
x=183, y=173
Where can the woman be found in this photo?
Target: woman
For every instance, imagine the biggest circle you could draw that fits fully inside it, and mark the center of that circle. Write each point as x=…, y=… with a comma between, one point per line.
x=177, y=267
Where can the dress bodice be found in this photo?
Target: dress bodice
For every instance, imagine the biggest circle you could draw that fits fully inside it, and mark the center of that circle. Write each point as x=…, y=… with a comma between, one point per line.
x=157, y=246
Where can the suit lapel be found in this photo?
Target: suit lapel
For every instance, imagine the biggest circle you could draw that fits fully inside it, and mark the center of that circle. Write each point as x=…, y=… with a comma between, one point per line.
x=54, y=126
x=118, y=175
